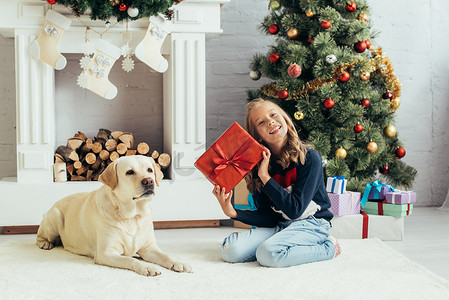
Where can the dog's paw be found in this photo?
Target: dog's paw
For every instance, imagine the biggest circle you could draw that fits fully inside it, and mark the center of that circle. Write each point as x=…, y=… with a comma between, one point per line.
x=181, y=267
x=46, y=245
x=148, y=270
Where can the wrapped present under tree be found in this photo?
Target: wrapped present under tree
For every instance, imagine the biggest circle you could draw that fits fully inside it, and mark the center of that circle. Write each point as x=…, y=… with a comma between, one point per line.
x=345, y=204
x=386, y=209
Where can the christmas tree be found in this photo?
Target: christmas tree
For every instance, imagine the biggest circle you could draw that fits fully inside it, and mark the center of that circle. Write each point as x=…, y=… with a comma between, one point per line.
x=340, y=90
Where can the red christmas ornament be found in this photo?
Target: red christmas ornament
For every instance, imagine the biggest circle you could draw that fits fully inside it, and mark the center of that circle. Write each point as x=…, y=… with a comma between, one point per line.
x=309, y=40
x=274, y=57
x=273, y=29
x=387, y=95
x=122, y=7
x=51, y=2
x=368, y=44
x=294, y=70
x=384, y=170
x=360, y=47
x=400, y=152
x=365, y=103
x=351, y=6
x=358, y=128
x=325, y=24
x=283, y=94
x=328, y=103
x=344, y=77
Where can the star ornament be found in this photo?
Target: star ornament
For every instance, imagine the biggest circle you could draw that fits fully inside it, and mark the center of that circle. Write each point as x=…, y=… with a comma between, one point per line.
x=126, y=50
x=88, y=48
x=128, y=64
x=83, y=80
x=85, y=62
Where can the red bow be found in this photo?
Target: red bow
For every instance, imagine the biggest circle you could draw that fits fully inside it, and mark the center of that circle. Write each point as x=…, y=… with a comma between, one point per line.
x=240, y=161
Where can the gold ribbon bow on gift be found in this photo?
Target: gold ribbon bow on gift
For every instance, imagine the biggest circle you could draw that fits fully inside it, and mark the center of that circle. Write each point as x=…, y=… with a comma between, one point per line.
x=51, y=31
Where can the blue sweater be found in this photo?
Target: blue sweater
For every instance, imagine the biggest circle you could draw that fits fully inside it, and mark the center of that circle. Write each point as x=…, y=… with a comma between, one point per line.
x=289, y=191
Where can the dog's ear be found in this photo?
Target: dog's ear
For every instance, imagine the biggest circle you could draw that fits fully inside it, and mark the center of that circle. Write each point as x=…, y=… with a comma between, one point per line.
x=109, y=176
x=157, y=172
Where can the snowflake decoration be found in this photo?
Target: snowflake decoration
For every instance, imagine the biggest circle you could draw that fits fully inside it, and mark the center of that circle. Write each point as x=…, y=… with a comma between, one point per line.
x=85, y=62
x=126, y=50
x=88, y=48
x=128, y=64
x=83, y=80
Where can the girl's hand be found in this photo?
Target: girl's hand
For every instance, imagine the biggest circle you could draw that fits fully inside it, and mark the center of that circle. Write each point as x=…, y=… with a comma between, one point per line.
x=225, y=201
x=263, y=167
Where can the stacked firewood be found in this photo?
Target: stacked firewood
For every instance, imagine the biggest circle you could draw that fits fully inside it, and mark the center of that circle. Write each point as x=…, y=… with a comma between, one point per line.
x=84, y=159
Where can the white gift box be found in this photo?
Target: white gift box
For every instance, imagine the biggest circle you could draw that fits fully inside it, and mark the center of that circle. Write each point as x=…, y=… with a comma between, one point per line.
x=386, y=228
x=336, y=185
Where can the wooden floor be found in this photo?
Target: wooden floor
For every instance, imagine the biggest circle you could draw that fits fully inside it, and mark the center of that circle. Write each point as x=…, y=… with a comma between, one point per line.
x=426, y=238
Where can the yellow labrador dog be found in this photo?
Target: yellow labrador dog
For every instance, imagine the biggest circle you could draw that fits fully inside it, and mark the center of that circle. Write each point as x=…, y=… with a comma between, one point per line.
x=114, y=223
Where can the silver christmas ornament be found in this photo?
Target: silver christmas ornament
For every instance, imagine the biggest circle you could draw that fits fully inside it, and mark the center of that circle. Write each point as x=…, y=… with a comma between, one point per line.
x=331, y=58
x=107, y=24
x=255, y=75
x=133, y=12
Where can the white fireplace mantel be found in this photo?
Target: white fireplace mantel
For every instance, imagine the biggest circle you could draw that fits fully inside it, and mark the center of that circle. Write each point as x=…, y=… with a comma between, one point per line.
x=187, y=194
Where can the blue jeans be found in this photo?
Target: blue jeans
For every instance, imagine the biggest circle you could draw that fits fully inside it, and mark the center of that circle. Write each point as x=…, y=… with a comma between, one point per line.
x=301, y=242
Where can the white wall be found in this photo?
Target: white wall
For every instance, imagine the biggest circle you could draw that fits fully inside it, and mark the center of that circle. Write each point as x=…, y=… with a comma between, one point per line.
x=412, y=34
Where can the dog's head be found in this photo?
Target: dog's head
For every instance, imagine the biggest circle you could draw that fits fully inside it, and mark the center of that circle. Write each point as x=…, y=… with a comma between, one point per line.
x=132, y=177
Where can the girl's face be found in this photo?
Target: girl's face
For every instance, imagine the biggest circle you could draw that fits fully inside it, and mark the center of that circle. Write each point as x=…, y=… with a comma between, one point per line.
x=269, y=124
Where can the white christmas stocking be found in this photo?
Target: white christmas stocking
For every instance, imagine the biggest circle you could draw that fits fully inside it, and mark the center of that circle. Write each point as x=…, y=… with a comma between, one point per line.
x=95, y=75
x=149, y=49
x=45, y=46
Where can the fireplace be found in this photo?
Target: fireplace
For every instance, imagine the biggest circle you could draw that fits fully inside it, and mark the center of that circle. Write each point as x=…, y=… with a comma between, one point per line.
x=186, y=194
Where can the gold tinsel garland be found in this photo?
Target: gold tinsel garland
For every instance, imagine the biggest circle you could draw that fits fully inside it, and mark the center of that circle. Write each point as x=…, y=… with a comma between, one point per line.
x=380, y=63
x=271, y=90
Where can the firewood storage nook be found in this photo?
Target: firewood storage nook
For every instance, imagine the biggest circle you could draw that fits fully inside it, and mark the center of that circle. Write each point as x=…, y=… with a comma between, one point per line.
x=186, y=195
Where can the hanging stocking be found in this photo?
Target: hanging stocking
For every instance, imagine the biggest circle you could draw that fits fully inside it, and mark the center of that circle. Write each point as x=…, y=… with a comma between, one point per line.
x=95, y=75
x=45, y=46
x=149, y=49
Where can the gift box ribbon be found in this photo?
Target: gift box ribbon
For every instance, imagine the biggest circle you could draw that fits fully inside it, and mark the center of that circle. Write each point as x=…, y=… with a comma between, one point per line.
x=364, y=225
x=380, y=207
x=240, y=161
x=335, y=178
x=376, y=186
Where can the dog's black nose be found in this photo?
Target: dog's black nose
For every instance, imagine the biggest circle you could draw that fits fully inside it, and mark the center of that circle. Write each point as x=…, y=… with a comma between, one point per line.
x=148, y=181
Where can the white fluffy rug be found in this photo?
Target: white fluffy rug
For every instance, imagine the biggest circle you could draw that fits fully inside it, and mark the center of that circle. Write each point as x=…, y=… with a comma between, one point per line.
x=366, y=269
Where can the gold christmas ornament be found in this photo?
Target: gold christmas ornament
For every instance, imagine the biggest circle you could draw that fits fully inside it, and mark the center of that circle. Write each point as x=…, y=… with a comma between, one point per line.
x=365, y=76
x=371, y=147
x=363, y=17
x=390, y=131
x=394, y=104
x=309, y=13
x=292, y=33
x=299, y=115
x=341, y=153
x=274, y=5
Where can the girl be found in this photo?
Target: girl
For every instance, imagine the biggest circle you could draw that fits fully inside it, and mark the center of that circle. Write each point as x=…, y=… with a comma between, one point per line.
x=292, y=215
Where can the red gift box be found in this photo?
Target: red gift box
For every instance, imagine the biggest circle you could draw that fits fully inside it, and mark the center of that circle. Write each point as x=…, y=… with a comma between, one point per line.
x=230, y=157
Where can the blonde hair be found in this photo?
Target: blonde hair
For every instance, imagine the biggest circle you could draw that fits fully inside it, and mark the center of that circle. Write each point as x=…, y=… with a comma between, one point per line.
x=293, y=149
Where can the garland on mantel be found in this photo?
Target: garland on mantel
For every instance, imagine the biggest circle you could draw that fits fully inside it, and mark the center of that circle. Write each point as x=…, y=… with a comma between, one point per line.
x=121, y=9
